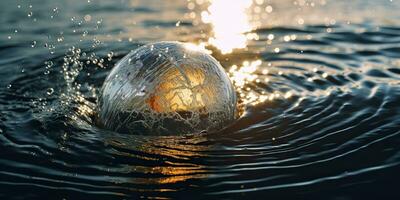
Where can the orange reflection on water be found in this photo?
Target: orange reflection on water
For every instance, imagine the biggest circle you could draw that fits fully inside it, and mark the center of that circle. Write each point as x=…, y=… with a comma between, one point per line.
x=230, y=22
x=173, y=172
x=177, y=151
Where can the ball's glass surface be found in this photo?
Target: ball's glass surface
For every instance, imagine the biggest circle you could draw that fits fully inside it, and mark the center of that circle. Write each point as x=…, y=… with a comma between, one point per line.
x=167, y=88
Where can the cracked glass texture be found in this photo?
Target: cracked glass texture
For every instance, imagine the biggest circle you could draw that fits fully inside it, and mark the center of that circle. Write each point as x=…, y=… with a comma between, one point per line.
x=167, y=88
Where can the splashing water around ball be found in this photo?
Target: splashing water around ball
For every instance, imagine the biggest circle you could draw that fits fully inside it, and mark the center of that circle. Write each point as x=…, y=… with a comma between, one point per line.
x=167, y=88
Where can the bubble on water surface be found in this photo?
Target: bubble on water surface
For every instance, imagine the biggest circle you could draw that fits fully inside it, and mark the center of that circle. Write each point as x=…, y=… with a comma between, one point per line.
x=167, y=88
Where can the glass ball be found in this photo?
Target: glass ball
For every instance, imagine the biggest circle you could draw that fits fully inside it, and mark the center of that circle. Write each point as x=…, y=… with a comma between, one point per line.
x=167, y=88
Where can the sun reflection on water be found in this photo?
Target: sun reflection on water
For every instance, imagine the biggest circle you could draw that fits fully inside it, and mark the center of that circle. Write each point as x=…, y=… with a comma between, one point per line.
x=230, y=23
x=245, y=76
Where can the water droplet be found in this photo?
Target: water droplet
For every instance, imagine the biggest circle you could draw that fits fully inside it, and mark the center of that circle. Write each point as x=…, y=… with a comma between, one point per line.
x=30, y=14
x=33, y=44
x=269, y=9
x=110, y=55
x=271, y=36
x=85, y=33
x=87, y=18
x=48, y=64
x=50, y=91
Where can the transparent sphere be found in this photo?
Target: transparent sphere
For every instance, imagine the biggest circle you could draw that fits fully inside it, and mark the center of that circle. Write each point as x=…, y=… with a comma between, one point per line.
x=167, y=88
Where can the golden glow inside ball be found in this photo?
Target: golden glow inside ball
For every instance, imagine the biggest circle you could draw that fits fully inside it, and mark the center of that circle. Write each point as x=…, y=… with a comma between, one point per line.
x=167, y=88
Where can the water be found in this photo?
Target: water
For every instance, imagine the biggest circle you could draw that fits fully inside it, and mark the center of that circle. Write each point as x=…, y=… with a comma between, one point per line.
x=318, y=83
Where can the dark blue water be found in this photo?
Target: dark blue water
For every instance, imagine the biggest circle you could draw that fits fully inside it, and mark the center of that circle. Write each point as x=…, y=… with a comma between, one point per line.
x=323, y=123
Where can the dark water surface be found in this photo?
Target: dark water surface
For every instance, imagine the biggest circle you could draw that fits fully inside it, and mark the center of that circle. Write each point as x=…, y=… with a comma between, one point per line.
x=323, y=123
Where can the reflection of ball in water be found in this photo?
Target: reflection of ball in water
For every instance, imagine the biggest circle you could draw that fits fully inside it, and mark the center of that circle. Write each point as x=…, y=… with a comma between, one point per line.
x=167, y=88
